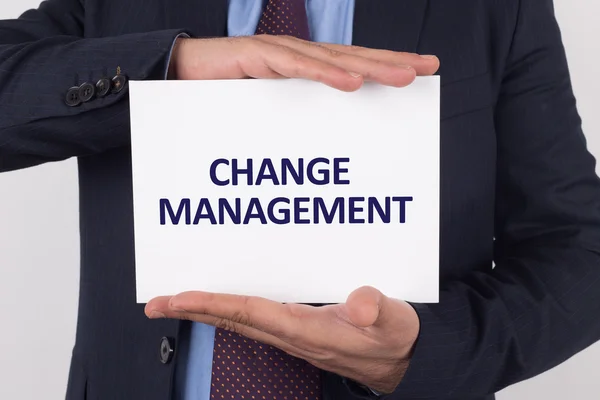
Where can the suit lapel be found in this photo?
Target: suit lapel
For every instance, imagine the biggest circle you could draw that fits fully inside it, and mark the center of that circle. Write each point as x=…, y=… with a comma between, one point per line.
x=202, y=18
x=389, y=24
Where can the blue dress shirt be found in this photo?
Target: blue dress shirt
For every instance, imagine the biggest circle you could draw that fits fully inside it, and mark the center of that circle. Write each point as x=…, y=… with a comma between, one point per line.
x=330, y=21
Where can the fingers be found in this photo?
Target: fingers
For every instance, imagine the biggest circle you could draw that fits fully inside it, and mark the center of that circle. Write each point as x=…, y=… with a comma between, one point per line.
x=363, y=306
x=423, y=64
x=294, y=64
x=303, y=327
x=191, y=306
x=337, y=53
x=368, y=307
x=265, y=56
x=367, y=318
x=255, y=312
x=338, y=66
x=380, y=70
x=160, y=308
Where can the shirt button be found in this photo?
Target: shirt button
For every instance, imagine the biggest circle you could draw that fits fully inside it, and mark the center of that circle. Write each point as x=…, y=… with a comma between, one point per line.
x=102, y=87
x=166, y=350
x=86, y=92
x=72, y=98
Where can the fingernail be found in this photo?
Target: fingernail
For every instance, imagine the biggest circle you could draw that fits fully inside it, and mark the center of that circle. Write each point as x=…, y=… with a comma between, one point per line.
x=428, y=57
x=156, y=314
x=354, y=74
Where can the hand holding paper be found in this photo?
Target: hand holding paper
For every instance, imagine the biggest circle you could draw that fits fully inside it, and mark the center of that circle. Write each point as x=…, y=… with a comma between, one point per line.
x=267, y=56
x=368, y=339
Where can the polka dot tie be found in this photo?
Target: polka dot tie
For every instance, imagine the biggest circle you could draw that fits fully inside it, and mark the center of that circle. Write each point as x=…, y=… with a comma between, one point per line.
x=285, y=17
x=246, y=369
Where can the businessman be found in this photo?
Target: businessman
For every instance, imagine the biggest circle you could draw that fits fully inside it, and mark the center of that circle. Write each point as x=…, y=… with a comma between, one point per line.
x=518, y=190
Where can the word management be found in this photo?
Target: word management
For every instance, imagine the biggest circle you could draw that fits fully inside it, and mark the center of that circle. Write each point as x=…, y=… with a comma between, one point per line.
x=320, y=171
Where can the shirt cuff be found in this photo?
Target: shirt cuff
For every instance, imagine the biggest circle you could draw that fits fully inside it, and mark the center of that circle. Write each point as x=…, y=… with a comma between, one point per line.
x=361, y=391
x=168, y=61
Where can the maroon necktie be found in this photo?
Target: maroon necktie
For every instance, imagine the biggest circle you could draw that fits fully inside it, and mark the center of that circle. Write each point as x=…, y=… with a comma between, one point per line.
x=285, y=17
x=244, y=368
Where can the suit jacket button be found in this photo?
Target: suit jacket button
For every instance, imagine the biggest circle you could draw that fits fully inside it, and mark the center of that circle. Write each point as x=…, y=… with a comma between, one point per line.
x=118, y=83
x=72, y=98
x=102, y=87
x=166, y=350
x=86, y=92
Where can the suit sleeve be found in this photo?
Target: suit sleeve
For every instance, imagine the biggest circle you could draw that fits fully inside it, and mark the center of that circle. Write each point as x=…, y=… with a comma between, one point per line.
x=42, y=55
x=539, y=306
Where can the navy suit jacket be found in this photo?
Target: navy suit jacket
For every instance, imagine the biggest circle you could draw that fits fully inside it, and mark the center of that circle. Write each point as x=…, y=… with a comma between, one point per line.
x=518, y=186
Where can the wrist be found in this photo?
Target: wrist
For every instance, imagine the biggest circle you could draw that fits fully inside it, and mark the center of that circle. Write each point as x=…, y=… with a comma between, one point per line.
x=175, y=70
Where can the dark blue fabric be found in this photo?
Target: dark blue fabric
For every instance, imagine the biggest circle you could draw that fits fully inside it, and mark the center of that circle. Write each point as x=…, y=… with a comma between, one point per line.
x=518, y=185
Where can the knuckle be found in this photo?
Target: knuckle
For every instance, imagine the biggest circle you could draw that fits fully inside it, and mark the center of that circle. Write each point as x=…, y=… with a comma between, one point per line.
x=333, y=53
x=296, y=311
x=317, y=75
x=226, y=325
x=299, y=68
x=186, y=317
x=286, y=50
x=292, y=336
x=376, y=61
x=246, y=301
x=298, y=58
x=296, y=314
x=240, y=317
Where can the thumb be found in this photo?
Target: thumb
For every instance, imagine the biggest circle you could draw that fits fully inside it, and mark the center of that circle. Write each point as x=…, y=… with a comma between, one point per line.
x=367, y=306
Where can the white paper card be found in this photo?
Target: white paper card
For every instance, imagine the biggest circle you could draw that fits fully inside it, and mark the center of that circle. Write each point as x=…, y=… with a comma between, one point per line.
x=343, y=189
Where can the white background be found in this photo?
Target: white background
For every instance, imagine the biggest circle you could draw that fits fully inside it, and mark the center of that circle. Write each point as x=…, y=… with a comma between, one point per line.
x=39, y=251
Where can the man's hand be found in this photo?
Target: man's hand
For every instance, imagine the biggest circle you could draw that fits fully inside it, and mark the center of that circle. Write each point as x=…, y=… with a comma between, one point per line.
x=368, y=339
x=268, y=56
